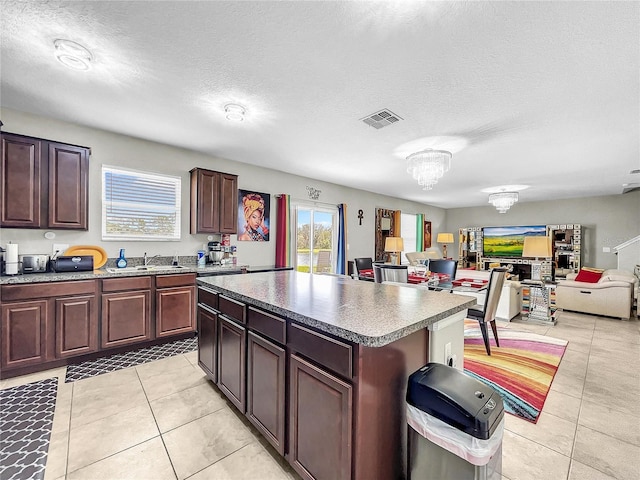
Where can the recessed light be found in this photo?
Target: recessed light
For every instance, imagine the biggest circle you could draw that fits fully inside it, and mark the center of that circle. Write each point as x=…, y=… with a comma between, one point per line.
x=72, y=54
x=234, y=112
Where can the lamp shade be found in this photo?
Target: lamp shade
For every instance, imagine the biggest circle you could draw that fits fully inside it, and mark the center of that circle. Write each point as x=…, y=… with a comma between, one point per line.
x=445, y=238
x=394, y=244
x=536, y=247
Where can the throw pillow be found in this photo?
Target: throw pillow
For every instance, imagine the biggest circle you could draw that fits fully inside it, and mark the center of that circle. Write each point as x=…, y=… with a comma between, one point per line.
x=589, y=275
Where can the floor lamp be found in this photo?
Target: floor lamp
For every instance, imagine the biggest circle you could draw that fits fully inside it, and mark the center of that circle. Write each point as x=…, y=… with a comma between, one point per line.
x=394, y=245
x=536, y=247
x=444, y=238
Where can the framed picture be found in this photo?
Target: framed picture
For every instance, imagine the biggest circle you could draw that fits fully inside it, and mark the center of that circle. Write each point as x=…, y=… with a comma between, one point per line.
x=253, y=216
x=427, y=235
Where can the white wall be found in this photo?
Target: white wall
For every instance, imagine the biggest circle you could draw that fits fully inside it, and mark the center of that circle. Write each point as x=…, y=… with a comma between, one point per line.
x=608, y=221
x=114, y=149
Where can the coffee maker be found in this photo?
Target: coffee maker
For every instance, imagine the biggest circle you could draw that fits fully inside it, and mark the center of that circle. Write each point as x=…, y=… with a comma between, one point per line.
x=216, y=253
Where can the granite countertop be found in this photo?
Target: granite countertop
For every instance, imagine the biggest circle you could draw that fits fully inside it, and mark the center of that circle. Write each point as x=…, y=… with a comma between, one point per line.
x=371, y=314
x=103, y=273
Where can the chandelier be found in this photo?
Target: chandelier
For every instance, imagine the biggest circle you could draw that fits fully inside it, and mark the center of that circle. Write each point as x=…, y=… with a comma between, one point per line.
x=428, y=166
x=503, y=200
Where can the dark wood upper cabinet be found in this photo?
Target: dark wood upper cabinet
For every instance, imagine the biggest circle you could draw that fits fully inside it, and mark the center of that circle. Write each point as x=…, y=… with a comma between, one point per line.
x=214, y=197
x=68, y=192
x=20, y=186
x=44, y=184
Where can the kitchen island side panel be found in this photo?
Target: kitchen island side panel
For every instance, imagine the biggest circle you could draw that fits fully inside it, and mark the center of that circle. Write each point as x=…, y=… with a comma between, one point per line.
x=380, y=427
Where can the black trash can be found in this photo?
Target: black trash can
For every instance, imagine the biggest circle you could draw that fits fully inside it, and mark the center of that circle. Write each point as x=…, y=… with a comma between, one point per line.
x=456, y=426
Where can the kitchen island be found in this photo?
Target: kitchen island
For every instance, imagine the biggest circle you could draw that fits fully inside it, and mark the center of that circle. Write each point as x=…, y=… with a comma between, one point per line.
x=319, y=363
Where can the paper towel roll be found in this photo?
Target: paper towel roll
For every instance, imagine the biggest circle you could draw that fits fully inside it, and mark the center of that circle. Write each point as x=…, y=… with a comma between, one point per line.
x=11, y=262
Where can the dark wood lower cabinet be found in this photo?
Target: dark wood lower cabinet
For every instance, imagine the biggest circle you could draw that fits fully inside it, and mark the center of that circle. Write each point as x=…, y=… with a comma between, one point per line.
x=320, y=422
x=76, y=326
x=24, y=333
x=232, y=361
x=126, y=318
x=175, y=310
x=266, y=363
x=207, y=338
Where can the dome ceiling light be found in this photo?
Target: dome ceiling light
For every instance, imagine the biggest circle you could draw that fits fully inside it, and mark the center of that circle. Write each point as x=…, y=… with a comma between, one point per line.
x=72, y=54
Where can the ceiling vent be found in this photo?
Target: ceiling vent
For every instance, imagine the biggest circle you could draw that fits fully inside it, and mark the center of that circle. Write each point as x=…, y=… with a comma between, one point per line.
x=381, y=119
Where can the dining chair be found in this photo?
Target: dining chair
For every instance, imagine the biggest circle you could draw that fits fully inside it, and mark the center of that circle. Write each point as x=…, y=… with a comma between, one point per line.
x=393, y=273
x=448, y=267
x=487, y=313
x=363, y=263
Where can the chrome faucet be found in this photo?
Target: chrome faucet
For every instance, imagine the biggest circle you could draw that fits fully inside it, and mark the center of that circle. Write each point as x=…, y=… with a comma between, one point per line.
x=145, y=259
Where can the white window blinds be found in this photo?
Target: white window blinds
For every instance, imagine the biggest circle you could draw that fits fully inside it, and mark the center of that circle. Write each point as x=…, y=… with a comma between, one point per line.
x=139, y=205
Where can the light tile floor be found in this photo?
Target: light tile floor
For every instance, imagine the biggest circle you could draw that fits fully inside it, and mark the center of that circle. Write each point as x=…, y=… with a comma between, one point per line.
x=165, y=420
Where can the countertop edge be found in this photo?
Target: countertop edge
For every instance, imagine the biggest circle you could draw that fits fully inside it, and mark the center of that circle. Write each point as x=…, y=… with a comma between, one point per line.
x=367, y=341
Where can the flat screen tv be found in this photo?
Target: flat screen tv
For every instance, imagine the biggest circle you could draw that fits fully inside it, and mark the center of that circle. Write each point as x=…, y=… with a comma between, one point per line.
x=508, y=241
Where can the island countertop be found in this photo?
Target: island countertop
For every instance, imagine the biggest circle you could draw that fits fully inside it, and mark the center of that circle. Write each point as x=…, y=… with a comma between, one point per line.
x=367, y=313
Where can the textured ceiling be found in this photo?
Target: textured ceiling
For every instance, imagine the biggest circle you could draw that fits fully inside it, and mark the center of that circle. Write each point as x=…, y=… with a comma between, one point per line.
x=545, y=94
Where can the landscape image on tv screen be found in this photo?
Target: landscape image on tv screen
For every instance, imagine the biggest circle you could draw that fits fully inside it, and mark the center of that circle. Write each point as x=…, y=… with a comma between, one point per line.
x=508, y=241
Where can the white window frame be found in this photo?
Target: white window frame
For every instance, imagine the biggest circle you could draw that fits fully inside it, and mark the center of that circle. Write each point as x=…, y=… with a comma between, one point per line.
x=314, y=207
x=409, y=234
x=148, y=208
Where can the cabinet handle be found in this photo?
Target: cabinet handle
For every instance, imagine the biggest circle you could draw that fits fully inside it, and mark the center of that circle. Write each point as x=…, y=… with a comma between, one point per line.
x=585, y=291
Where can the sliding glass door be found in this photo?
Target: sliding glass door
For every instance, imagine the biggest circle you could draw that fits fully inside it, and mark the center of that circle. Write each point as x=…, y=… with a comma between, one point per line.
x=315, y=240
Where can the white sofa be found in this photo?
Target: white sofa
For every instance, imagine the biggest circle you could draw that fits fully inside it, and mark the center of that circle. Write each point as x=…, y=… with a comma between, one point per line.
x=611, y=296
x=510, y=303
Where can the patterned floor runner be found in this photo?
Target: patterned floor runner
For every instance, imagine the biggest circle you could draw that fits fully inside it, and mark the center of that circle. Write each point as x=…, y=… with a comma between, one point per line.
x=26, y=418
x=129, y=359
x=521, y=369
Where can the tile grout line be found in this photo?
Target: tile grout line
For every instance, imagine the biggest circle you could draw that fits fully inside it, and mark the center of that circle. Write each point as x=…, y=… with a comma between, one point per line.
x=164, y=445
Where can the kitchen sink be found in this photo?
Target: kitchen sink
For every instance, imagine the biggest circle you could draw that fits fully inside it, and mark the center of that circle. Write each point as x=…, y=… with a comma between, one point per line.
x=145, y=268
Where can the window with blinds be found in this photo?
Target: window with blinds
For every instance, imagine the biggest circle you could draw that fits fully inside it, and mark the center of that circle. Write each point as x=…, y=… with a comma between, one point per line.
x=139, y=205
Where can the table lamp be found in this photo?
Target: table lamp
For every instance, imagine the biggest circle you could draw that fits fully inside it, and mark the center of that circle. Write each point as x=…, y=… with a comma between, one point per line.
x=444, y=238
x=394, y=245
x=536, y=247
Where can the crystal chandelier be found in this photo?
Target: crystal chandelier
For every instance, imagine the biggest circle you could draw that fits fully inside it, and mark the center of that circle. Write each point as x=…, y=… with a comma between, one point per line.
x=503, y=200
x=428, y=166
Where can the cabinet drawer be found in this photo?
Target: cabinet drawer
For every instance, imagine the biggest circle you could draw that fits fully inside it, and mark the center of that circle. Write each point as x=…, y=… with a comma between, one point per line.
x=47, y=289
x=186, y=279
x=130, y=283
x=273, y=327
x=208, y=297
x=232, y=309
x=329, y=352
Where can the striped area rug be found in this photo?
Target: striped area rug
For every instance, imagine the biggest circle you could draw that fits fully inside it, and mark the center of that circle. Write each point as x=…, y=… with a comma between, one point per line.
x=521, y=369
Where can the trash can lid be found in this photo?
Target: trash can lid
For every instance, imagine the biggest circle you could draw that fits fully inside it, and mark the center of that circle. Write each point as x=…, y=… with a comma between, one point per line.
x=455, y=398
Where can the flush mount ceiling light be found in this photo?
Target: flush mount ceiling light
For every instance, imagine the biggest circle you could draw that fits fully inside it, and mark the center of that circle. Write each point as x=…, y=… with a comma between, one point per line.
x=503, y=201
x=428, y=166
x=72, y=54
x=234, y=112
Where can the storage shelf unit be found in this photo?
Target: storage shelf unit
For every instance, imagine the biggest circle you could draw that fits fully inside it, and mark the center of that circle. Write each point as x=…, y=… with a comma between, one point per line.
x=566, y=240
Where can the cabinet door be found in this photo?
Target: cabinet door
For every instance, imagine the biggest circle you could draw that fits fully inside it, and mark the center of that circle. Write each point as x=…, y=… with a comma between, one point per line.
x=68, y=187
x=126, y=318
x=231, y=361
x=207, y=333
x=265, y=388
x=24, y=334
x=20, y=187
x=76, y=326
x=205, y=199
x=228, y=207
x=320, y=422
x=175, y=310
